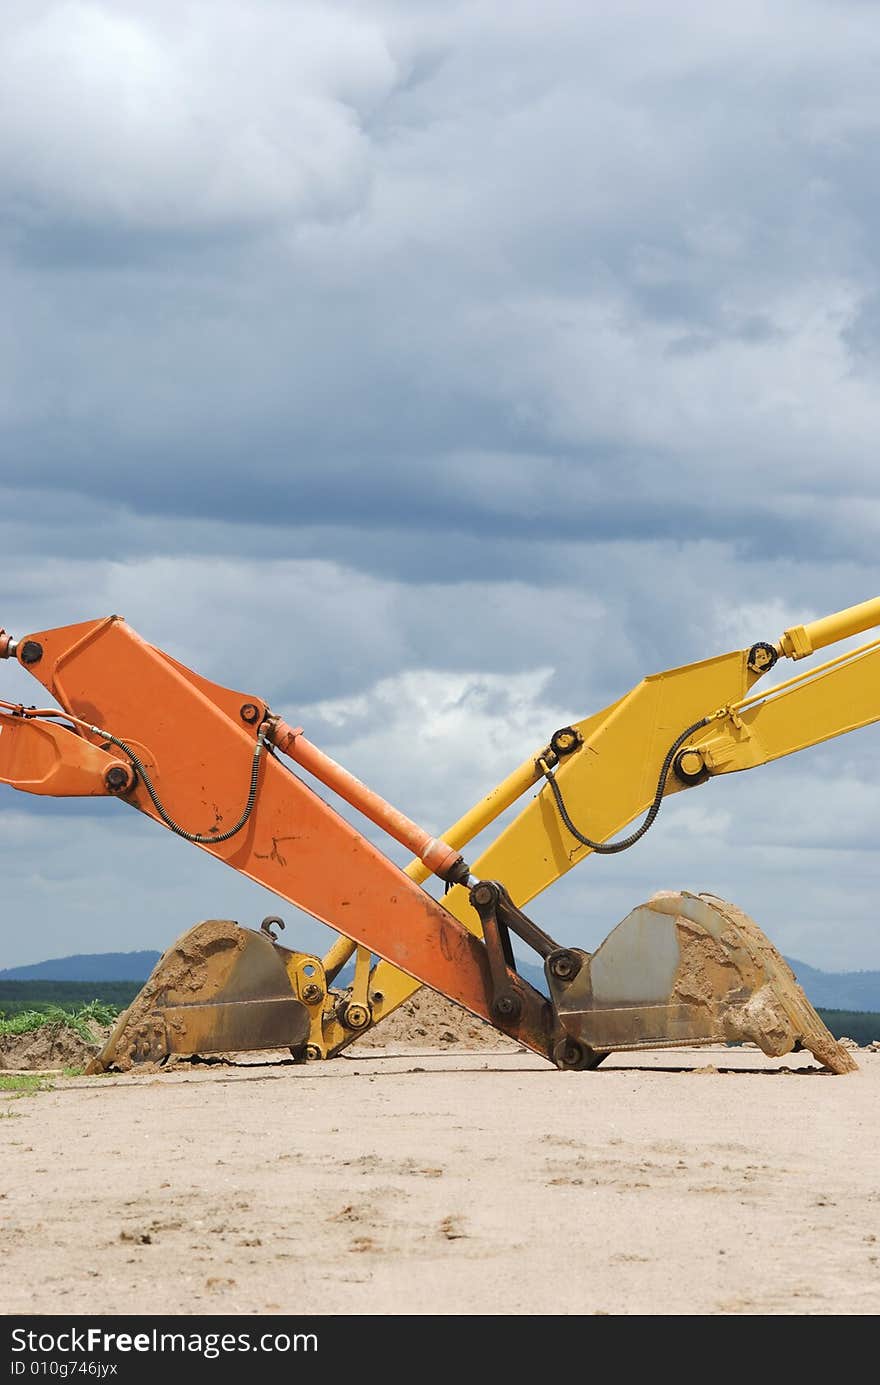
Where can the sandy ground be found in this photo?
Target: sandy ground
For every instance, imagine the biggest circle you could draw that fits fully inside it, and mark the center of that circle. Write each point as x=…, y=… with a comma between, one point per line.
x=423, y=1180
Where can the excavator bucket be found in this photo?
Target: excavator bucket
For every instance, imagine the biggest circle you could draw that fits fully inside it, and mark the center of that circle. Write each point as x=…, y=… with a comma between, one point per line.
x=681, y=969
x=218, y=989
x=684, y=969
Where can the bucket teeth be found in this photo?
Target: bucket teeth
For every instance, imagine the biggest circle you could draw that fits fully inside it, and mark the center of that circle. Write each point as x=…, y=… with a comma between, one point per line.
x=780, y=1008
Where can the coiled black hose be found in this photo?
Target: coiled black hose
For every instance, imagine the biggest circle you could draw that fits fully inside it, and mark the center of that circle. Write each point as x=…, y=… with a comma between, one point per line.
x=611, y=848
x=198, y=837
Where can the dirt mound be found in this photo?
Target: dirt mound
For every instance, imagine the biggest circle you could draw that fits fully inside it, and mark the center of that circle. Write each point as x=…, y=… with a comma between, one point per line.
x=429, y=1020
x=50, y=1046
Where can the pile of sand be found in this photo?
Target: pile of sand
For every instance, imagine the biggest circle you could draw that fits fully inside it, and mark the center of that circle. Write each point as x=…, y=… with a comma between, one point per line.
x=51, y=1046
x=429, y=1020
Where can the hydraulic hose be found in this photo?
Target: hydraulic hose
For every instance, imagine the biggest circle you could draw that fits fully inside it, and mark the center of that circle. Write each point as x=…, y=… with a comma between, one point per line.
x=200, y=838
x=611, y=848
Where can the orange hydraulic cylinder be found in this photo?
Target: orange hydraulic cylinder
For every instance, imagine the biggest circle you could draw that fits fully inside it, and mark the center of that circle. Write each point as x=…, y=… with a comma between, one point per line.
x=196, y=740
x=440, y=858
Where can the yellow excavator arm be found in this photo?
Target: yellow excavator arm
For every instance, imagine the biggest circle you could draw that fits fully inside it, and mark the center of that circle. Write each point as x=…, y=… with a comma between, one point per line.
x=607, y=769
x=207, y=763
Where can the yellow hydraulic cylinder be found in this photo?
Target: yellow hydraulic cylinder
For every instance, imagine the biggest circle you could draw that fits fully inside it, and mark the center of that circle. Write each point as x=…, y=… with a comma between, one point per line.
x=471, y=825
x=802, y=640
x=458, y=836
x=484, y=812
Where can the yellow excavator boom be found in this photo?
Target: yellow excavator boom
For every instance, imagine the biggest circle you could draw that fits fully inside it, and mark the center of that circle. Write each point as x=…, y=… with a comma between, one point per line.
x=608, y=773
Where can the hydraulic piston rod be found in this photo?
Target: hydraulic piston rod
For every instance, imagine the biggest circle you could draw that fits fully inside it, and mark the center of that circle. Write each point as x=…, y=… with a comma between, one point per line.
x=802, y=640
x=439, y=857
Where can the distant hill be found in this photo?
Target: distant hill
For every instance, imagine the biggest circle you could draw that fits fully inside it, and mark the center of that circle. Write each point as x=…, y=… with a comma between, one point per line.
x=838, y=990
x=87, y=966
x=827, y=990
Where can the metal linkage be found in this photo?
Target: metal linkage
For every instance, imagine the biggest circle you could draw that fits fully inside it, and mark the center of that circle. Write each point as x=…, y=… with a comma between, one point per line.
x=499, y=917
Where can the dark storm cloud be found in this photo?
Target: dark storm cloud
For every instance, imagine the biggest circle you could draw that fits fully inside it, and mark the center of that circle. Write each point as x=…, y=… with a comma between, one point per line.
x=553, y=296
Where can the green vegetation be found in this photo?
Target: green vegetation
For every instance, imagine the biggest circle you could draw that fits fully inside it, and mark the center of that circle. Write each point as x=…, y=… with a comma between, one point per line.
x=861, y=1025
x=79, y=1005
x=19, y=996
x=23, y=1084
x=82, y=1021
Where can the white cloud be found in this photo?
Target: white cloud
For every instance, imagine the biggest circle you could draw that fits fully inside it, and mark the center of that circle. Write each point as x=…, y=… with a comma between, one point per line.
x=435, y=742
x=188, y=116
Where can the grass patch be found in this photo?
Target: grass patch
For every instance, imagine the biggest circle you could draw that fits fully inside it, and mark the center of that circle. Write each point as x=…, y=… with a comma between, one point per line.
x=24, y=1083
x=81, y=1021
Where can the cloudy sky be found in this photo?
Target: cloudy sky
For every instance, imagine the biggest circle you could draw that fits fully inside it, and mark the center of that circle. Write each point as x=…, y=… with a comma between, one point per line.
x=439, y=370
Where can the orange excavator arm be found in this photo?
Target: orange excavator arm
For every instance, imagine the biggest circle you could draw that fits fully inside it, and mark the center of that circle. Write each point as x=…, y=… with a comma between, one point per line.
x=200, y=759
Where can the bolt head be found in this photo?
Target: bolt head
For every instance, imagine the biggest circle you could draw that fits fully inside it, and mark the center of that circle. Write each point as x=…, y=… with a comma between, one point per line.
x=356, y=1017
x=31, y=652
x=691, y=762
x=507, y=1007
x=563, y=966
x=249, y=712
x=117, y=779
